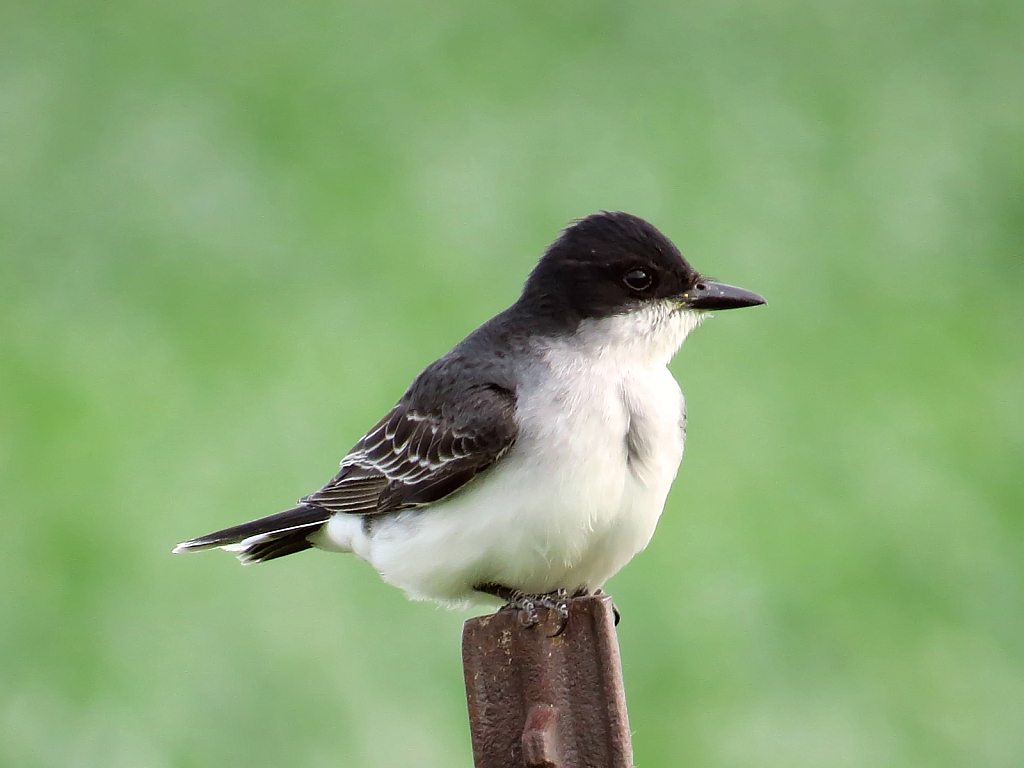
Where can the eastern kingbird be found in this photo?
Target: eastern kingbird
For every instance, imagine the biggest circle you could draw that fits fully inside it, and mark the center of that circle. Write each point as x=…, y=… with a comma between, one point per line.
x=532, y=461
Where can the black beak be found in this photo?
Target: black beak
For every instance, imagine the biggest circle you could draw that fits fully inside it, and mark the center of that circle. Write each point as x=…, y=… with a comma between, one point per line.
x=707, y=294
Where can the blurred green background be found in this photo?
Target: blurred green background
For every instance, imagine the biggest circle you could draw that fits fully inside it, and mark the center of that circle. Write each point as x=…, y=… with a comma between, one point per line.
x=231, y=233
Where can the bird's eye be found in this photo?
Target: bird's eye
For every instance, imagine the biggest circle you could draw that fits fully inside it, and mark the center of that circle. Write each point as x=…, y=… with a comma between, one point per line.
x=637, y=279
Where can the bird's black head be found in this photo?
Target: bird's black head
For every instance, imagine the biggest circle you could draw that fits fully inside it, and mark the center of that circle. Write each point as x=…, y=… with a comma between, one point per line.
x=611, y=263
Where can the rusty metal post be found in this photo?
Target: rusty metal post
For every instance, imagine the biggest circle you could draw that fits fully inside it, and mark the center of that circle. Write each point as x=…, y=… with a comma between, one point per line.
x=547, y=702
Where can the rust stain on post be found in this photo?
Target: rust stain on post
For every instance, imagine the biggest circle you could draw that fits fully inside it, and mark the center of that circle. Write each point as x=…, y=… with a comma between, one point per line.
x=547, y=702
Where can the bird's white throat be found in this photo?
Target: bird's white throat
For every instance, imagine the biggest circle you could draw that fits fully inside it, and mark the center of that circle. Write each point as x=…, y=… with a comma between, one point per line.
x=651, y=334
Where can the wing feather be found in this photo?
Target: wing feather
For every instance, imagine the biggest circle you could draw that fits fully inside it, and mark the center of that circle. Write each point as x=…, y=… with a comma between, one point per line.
x=415, y=456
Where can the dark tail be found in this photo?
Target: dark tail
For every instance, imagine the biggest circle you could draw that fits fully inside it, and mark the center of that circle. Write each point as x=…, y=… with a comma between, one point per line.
x=267, y=538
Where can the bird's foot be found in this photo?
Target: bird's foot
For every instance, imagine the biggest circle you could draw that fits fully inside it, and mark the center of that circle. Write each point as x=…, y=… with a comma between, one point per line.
x=557, y=601
x=527, y=604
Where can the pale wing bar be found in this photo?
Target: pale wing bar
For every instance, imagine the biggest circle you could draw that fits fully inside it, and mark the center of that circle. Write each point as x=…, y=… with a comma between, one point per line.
x=416, y=456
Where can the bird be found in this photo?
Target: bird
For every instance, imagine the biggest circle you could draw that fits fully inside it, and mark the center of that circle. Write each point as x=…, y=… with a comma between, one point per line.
x=532, y=462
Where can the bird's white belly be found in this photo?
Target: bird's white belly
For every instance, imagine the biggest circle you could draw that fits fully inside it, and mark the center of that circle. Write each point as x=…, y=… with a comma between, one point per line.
x=568, y=506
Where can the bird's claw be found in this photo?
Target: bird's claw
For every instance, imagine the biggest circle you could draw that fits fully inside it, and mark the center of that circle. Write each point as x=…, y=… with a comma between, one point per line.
x=528, y=613
x=558, y=601
x=527, y=605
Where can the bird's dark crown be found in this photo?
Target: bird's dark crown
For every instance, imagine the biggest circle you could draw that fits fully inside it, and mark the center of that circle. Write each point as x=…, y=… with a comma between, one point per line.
x=606, y=264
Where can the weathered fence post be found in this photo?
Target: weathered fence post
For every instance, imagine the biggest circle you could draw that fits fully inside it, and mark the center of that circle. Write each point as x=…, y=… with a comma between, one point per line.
x=542, y=701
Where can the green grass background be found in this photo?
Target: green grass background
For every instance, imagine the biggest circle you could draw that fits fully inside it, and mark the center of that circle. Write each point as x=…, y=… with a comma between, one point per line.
x=232, y=232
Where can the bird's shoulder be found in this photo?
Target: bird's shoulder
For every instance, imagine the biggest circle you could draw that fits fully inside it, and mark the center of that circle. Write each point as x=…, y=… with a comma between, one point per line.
x=493, y=356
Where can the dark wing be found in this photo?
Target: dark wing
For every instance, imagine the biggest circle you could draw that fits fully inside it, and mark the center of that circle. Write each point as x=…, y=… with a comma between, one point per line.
x=416, y=456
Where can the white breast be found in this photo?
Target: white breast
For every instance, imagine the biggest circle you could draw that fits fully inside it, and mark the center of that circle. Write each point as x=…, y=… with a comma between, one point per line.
x=570, y=503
